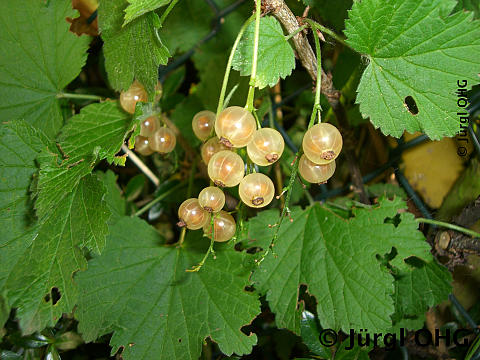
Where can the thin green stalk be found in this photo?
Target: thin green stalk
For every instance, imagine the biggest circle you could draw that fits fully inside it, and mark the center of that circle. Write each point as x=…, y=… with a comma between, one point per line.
x=182, y=236
x=251, y=89
x=79, y=96
x=167, y=11
x=326, y=30
x=229, y=64
x=159, y=198
x=229, y=96
x=316, y=107
x=301, y=28
x=461, y=229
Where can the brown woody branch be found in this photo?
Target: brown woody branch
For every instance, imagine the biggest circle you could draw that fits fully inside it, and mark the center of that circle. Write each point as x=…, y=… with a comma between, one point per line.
x=280, y=10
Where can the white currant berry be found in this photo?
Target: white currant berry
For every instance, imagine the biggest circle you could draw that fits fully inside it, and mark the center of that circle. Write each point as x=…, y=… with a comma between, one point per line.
x=211, y=147
x=192, y=215
x=203, y=123
x=256, y=190
x=266, y=146
x=224, y=227
x=135, y=93
x=211, y=199
x=226, y=168
x=235, y=126
x=315, y=173
x=322, y=143
x=163, y=140
x=142, y=146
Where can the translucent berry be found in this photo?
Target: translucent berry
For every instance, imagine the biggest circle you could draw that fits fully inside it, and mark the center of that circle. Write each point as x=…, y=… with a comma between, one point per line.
x=211, y=147
x=135, y=93
x=315, y=173
x=224, y=227
x=211, y=199
x=226, y=168
x=266, y=146
x=202, y=124
x=149, y=126
x=256, y=190
x=192, y=215
x=235, y=126
x=163, y=140
x=142, y=146
x=322, y=143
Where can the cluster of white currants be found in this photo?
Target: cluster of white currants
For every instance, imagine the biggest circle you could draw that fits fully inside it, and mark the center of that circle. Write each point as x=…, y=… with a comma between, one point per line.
x=153, y=137
x=321, y=144
x=235, y=128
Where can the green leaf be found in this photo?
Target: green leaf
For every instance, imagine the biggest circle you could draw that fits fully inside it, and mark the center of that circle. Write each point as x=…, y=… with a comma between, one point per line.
x=337, y=259
x=276, y=58
x=139, y=7
x=310, y=333
x=133, y=51
x=139, y=289
x=414, y=49
x=470, y=5
x=20, y=145
x=55, y=253
x=39, y=58
x=97, y=133
x=115, y=201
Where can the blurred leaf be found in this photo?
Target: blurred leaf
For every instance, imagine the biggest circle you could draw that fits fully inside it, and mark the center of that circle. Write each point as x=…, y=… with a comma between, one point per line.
x=134, y=187
x=387, y=190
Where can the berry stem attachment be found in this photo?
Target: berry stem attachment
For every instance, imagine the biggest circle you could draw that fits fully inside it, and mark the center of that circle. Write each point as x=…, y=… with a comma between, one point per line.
x=182, y=236
x=229, y=65
x=79, y=96
x=461, y=229
x=251, y=89
x=141, y=165
x=300, y=29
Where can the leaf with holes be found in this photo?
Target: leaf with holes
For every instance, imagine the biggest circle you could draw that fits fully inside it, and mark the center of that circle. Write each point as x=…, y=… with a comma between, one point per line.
x=133, y=51
x=97, y=133
x=276, y=58
x=39, y=58
x=416, y=54
x=139, y=290
x=44, y=289
x=340, y=261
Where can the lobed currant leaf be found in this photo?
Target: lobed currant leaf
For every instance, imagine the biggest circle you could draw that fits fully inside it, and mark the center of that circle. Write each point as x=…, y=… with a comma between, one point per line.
x=416, y=54
x=340, y=262
x=39, y=58
x=139, y=290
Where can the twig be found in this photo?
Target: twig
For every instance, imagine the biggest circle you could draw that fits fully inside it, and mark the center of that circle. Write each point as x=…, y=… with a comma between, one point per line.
x=461, y=229
x=140, y=164
x=79, y=96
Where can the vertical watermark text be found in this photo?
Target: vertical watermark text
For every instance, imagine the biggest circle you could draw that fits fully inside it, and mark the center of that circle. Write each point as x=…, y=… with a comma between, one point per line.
x=462, y=113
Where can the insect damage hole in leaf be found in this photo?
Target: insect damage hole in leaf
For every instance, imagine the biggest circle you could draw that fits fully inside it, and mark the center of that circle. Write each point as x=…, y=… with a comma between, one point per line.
x=53, y=295
x=411, y=105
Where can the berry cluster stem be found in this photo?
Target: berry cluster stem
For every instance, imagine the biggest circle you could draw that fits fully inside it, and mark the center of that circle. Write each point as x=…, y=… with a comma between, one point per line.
x=229, y=64
x=251, y=89
x=210, y=248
